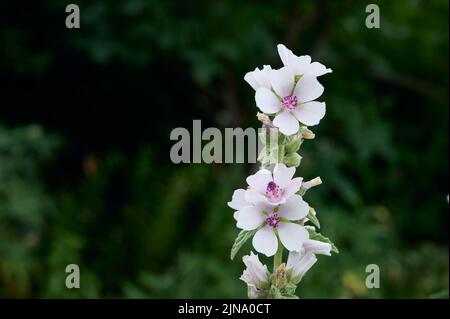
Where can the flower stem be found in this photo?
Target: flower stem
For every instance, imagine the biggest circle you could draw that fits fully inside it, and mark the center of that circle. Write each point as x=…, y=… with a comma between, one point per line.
x=278, y=258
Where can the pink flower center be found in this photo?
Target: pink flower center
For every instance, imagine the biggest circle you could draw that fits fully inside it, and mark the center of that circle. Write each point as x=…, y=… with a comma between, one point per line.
x=273, y=220
x=274, y=192
x=290, y=102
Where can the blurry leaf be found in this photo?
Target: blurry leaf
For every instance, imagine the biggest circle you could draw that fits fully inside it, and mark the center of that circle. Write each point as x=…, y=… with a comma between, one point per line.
x=240, y=240
x=313, y=218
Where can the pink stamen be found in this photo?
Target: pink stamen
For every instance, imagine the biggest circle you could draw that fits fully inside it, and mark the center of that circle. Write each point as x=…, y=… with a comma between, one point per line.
x=273, y=191
x=273, y=220
x=290, y=102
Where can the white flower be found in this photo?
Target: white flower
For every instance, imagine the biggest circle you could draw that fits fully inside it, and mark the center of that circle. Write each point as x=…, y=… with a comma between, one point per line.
x=301, y=261
x=291, y=101
x=272, y=220
x=274, y=188
x=259, y=78
x=255, y=274
x=301, y=65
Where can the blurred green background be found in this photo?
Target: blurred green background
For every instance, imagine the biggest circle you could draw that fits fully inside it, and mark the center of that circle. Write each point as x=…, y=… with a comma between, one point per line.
x=85, y=118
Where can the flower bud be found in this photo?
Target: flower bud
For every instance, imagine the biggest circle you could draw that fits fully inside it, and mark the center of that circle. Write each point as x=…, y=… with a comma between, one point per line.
x=292, y=160
x=294, y=145
x=307, y=134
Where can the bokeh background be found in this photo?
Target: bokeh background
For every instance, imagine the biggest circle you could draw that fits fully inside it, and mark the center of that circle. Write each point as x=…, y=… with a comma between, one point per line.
x=85, y=118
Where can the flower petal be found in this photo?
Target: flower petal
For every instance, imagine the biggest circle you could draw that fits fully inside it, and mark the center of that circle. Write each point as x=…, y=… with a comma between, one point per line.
x=300, y=263
x=266, y=101
x=292, y=236
x=308, y=89
x=238, y=200
x=317, y=247
x=286, y=123
x=260, y=180
x=317, y=69
x=249, y=218
x=282, y=175
x=295, y=208
x=310, y=113
x=259, y=78
x=265, y=241
x=282, y=81
x=284, y=53
x=293, y=187
x=298, y=64
x=259, y=200
x=255, y=271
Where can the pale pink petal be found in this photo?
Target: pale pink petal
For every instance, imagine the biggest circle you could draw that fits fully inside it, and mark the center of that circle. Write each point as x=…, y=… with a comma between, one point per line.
x=259, y=78
x=260, y=180
x=308, y=89
x=300, y=64
x=282, y=81
x=259, y=200
x=238, y=200
x=295, y=208
x=317, y=69
x=236, y=215
x=266, y=101
x=282, y=175
x=310, y=113
x=317, y=247
x=249, y=218
x=292, y=236
x=265, y=241
x=286, y=123
x=300, y=263
x=285, y=54
x=293, y=187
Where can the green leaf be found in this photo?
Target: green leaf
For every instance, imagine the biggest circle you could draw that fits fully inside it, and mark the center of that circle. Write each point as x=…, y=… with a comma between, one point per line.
x=313, y=234
x=313, y=218
x=240, y=240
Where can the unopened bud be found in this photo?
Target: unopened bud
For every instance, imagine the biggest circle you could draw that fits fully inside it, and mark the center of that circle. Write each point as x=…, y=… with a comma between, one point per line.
x=314, y=182
x=307, y=134
x=294, y=145
x=264, y=118
x=292, y=160
x=279, y=277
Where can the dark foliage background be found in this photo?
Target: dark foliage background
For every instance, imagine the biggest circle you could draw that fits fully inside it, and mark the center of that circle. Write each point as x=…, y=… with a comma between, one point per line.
x=85, y=118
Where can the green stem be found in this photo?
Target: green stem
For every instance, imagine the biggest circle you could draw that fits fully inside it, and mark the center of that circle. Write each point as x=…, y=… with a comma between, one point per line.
x=278, y=258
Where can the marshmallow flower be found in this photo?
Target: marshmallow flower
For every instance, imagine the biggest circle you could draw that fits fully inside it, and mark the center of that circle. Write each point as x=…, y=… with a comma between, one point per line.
x=300, y=262
x=291, y=101
x=289, y=92
x=255, y=274
x=271, y=221
x=273, y=188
